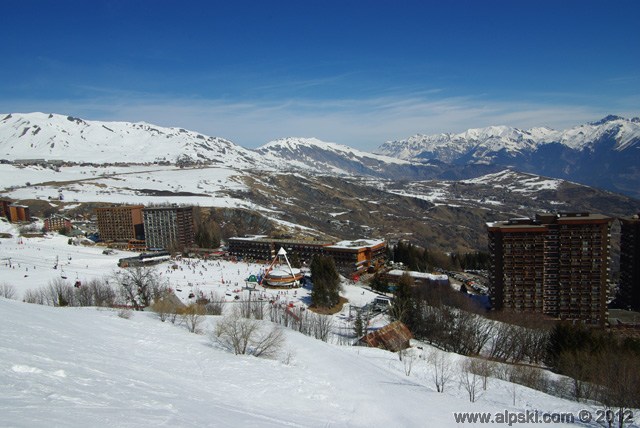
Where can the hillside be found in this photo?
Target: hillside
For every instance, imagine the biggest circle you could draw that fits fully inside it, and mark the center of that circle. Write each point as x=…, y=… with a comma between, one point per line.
x=298, y=186
x=81, y=366
x=53, y=136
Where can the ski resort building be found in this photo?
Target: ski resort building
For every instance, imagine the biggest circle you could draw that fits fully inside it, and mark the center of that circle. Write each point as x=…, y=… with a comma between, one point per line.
x=169, y=227
x=4, y=208
x=629, y=297
x=57, y=223
x=555, y=264
x=350, y=257
x=18, y=213
x=120, y=223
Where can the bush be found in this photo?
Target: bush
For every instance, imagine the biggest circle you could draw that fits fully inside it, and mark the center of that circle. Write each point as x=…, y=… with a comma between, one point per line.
x=125, y=313
x=193, y=315
x=248, y=336
x=165, y=307
x=7, y=291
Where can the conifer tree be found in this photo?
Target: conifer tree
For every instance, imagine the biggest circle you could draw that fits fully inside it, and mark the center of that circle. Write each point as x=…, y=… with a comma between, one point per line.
x=326, y=282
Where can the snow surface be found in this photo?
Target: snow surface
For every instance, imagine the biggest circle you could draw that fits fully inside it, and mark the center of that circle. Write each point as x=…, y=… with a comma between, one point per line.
x=88, y=367
x=85, y=367
x=135, y=184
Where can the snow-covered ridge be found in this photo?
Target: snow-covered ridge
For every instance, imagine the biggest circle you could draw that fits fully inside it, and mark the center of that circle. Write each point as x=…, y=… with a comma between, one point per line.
x=295, y=145
x=481, y=142
x=314, y=155
x=58, y=137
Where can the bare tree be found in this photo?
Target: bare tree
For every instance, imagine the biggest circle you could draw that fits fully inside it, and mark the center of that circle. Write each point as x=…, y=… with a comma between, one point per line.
x=103, y=293
x=469, y=380
x=581, y=368
x=59, y=293
x=193, y=315
x=33, y=296
x=166, y=307
x=619, y=377
x=216, y=305
x=7, y=291
x=140, y=285
x=247, y=336
x=322, y=325
x=408, y=357
x=483, y=368
x=441, y=365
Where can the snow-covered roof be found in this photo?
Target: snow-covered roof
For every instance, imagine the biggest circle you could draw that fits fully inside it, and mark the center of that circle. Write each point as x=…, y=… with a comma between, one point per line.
x=419, y=275
x=358, y=244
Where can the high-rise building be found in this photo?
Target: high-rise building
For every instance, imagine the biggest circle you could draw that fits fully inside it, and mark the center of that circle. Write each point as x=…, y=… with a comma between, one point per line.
x=169, y=227
x=555, y=264
x=120, y=223
x=629, y=295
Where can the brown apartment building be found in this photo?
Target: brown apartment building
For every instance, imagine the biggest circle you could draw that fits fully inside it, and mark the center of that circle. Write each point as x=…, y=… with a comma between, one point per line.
x=555, y=264
x=56, y=223
x=120, y=223
x=629, y=297
x=18, y=213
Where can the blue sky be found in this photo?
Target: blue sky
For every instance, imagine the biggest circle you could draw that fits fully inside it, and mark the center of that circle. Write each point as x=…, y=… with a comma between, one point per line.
x=353, y=72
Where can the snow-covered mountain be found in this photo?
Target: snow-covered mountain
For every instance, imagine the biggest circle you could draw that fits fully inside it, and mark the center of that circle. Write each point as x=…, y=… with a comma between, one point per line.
x=605, y=153
x=320, y=157
x=53, y=136
x=480, y=144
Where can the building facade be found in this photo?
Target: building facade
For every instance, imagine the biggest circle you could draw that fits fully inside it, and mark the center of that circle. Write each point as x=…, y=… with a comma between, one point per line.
x=18, y=213
x=4, y=208
x=350, y=257
x=629, y=295
x=555, y=264
x=57, y=223
x=120, y=223
x=169, y=227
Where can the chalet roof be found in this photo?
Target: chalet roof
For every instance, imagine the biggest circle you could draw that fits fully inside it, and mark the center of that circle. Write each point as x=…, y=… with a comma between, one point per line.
x=393, y=337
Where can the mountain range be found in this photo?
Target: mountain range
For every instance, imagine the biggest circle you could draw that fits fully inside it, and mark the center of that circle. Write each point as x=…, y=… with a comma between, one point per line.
x=604, y=154
x=420, y=189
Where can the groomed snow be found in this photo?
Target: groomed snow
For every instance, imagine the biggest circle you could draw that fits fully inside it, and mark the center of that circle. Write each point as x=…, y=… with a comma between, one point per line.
x=78, y=367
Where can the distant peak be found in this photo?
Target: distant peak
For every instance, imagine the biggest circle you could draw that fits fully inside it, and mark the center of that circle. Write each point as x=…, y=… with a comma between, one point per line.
x=609, y=118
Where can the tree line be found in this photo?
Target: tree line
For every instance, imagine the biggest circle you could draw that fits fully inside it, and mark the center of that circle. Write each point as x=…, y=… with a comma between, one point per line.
x=424, y=260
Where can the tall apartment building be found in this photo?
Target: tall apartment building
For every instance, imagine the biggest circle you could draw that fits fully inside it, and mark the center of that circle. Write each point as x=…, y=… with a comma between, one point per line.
x=629, y=296
x=120, y=223
x=555, y=264
x=169, y=227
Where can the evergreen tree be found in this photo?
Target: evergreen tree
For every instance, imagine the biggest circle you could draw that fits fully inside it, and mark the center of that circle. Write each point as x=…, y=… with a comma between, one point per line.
x=358, y=325
x=403, y=302
x=326, y=282
x=379, y=284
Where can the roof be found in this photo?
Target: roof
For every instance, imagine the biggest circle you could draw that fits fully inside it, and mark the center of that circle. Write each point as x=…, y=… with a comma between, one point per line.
x=421, y=275
x=359, y=244
x=393, y=337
